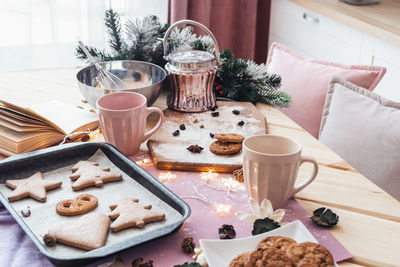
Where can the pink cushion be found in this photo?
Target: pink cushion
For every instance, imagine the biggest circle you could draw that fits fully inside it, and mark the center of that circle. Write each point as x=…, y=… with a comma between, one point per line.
x=306, y=81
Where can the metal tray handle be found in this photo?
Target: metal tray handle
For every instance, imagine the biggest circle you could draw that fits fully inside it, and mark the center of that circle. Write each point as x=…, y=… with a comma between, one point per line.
x=188, y=21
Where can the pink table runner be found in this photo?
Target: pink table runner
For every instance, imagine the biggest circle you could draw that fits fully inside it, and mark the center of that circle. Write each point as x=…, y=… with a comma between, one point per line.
x=16, y=249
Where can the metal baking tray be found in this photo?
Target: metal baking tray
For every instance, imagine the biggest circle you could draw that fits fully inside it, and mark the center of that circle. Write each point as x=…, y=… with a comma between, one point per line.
x=21, y=166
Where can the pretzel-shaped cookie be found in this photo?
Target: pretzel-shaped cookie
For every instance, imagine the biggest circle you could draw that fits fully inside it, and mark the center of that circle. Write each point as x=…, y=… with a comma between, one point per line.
x=79, y=205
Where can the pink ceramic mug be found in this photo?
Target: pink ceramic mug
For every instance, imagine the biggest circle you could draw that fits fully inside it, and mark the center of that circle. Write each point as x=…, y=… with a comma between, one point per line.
x=123, y=119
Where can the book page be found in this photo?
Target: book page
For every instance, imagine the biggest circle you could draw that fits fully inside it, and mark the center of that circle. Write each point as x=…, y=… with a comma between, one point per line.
x=66, y=117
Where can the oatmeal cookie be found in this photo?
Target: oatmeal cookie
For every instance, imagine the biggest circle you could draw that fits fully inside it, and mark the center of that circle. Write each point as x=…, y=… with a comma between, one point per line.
x=240, y=260
x=229, y=137
x=263, y=257
x=279, y=242
x=310, y=253
x=221, y=148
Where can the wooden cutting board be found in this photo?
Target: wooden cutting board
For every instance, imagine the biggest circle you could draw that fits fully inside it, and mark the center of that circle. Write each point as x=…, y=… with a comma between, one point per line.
x=169, y=152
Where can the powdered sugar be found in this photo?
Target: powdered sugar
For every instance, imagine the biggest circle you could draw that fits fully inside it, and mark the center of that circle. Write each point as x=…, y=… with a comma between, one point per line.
x=198, y=129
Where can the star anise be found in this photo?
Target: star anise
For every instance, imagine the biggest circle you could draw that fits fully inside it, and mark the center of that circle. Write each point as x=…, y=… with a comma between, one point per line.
x=195, y=148
x=188, y=245
x=226, y=232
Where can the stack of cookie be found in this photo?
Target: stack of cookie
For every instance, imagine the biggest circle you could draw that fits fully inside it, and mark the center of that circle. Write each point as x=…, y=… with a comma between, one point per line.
x=279, y=251
x=227, y=144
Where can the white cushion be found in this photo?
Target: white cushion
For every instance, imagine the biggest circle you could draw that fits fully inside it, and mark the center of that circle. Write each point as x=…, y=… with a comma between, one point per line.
x=364, y=129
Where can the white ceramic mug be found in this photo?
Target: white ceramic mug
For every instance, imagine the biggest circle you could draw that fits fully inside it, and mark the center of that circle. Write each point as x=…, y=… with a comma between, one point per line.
x=270, y=165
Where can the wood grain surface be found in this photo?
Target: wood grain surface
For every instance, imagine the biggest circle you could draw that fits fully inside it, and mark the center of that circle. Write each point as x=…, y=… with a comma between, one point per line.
x=369, y=224
x=169, y=152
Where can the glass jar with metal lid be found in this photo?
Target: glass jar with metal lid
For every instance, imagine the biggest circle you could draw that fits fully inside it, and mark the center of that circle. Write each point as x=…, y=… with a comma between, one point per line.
x=191, y=75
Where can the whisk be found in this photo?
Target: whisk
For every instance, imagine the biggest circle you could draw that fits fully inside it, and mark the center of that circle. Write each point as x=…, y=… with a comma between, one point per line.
x=107, y=79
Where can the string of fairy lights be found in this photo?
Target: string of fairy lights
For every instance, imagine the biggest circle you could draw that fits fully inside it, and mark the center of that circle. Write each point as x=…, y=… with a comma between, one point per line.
x=208, y=179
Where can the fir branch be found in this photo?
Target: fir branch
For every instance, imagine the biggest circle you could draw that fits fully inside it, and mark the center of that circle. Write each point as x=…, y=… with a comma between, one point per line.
x=237, y=79
x=112, y=22
x=99, y=54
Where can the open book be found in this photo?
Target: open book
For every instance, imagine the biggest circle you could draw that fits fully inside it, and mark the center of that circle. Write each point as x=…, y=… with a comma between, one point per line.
x=39, y=126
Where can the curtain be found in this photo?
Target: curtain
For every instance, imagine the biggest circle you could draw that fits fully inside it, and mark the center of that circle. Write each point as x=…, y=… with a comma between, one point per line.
x=239, y=25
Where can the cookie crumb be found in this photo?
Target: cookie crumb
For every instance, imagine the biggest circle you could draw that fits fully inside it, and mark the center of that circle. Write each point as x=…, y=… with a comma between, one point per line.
x=92, y=110
x=49, y=240
x=236, y=112
x=84, y=101
x=188, y=245
x=176, y=133
x=202, y=126
x=241, y=123
x=195, y=121
x=26, y=212
x=182, y=127
x=215, y=114
x=226, y=232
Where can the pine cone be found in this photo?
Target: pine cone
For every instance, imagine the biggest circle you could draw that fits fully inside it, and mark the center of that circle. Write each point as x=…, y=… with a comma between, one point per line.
x=49, y=240
x=238, y=174
x=226, y=232
x=195, y=148
x=138, y=262
x=188, y=245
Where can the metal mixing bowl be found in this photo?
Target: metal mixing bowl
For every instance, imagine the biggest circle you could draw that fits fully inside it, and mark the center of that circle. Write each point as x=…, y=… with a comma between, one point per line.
x=142, y=77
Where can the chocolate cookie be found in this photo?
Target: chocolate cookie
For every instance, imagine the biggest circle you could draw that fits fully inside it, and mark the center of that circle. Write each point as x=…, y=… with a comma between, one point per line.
x=229, y=137
x=240, y=260
x=263, y=257
x=310, y=253
x=279, y=242
x=221, y=148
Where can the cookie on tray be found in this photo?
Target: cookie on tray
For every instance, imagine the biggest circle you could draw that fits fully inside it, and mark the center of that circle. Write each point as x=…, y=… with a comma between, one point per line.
x=268, y=257
x=310, y=253
x=127, y=213
x=229, y=137
x=34, y=187
x=86, y=174
x=79, y=205
x=240, y=260
x=279, y=242
x=88, y=232
x=221, y=148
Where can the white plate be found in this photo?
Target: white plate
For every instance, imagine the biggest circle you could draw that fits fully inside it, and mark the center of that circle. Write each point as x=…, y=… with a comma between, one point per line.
x=220, y=253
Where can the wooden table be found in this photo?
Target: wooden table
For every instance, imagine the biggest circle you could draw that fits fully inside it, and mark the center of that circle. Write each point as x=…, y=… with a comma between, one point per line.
x=369, y=224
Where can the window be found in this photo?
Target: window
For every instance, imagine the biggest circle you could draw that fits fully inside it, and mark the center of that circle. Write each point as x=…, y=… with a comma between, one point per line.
x=43, y=33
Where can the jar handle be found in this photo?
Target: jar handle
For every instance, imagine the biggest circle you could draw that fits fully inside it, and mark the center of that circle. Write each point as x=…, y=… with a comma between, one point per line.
x=188, y=21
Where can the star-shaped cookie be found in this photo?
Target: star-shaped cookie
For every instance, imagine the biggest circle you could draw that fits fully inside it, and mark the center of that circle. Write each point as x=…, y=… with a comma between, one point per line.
x=86, y=174
x=129, y=213
x=34, y=187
